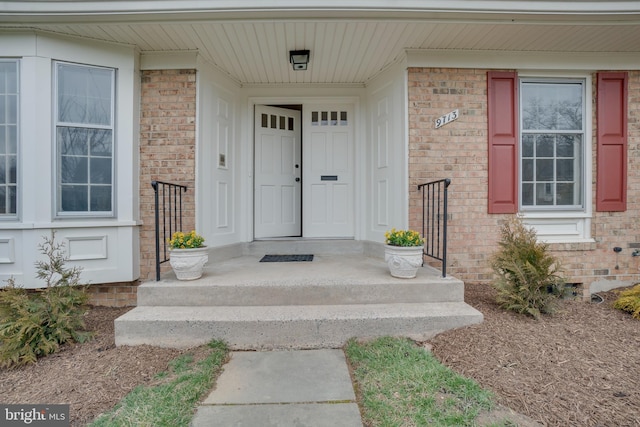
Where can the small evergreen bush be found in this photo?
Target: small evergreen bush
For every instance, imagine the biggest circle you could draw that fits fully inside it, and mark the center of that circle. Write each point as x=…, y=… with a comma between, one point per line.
x=529, y=279
x=36, y=323
x=629, y=301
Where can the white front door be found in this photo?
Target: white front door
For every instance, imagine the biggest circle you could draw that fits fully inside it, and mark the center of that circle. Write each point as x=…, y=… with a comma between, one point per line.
x=277, y=177
x=328, y=171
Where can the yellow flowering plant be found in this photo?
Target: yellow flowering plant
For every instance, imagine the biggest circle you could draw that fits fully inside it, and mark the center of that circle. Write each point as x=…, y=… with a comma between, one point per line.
x=181, y=240
x=403, y=238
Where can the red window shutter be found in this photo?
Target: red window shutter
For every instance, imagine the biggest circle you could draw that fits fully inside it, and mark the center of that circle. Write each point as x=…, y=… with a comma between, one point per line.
x=502, y=106
x=611, y=184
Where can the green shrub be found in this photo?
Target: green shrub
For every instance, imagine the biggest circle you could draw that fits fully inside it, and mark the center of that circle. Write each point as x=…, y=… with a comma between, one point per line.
x=529, y=278
x=629, y=301
x=36, y=323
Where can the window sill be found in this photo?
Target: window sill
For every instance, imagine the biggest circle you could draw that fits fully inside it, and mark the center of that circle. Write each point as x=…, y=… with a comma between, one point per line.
x=68, y=224
x=572, y=246
x=567, y=228
x=554, y=215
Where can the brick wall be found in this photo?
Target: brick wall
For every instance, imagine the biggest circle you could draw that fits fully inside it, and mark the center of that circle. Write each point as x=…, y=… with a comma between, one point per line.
x=459, y=151
x=114, y=294
x=167, y=150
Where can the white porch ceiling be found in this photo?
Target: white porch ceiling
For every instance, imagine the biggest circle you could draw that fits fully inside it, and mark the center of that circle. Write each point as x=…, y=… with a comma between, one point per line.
x=344, y=49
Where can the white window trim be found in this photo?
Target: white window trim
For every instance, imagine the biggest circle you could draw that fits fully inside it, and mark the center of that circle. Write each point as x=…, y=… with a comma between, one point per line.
x=566, y=226
x=16, y=216
x=56, y=158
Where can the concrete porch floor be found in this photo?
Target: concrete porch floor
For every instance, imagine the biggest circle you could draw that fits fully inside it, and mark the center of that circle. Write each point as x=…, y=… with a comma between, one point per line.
x=324, y=269
x=348, y=278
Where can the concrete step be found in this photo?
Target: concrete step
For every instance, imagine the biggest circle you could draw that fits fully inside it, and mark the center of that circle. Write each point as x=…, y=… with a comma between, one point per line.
x=316, y=292
x=288, y=327
x=328, y=279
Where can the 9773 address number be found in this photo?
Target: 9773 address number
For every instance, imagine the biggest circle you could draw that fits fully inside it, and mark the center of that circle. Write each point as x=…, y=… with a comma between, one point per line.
x=447, y=118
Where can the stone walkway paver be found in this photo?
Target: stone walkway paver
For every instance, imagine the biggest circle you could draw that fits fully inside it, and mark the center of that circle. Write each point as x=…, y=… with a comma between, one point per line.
x=302, y=388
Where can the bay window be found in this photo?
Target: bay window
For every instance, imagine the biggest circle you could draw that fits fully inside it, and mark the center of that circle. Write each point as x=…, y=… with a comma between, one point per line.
x=84, y=122
x=8, y=138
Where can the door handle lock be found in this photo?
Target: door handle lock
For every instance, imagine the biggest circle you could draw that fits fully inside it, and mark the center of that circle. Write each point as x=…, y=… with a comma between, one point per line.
x=297, y=179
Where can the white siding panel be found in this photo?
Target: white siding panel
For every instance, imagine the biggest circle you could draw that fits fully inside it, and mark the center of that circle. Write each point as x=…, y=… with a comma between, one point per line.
x=7, y=250
x=382, y=198
x=223, y=205
x=87, y=247
x=217, y=159
x=224, y=134
x=381, y=128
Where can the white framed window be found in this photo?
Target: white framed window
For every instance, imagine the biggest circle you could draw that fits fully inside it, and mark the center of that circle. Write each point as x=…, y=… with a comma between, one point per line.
x=552, y=145
x=9, y=99
x=84, y=134
x=555, y=156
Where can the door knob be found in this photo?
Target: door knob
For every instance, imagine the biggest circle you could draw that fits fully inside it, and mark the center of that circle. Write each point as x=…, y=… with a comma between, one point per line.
x=297, y=179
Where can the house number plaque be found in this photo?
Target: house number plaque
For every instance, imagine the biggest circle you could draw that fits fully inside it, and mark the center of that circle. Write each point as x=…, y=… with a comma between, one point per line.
x=447, y=118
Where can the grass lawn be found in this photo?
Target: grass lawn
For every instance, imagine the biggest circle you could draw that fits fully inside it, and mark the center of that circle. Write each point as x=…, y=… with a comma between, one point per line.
x=397, y=383
x=401, y=384
x=172, y=401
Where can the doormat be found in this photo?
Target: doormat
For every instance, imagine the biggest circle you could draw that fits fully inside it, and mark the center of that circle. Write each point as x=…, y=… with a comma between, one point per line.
x=286, y=258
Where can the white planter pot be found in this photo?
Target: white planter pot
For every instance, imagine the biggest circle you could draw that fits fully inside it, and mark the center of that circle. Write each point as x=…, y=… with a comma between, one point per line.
x=403, y=261
x=188, y=263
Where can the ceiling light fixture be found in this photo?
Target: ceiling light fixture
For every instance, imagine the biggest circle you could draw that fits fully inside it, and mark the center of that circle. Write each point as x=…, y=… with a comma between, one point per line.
x=299, y=59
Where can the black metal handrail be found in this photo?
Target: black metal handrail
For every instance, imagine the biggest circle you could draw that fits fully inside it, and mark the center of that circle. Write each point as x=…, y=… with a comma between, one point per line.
x=434, y=220
x=171, y=207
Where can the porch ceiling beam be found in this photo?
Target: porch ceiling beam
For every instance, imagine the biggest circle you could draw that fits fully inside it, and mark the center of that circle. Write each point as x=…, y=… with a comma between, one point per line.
x=579, y=61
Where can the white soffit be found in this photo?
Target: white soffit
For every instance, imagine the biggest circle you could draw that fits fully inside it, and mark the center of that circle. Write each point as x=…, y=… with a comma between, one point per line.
x=350, y=41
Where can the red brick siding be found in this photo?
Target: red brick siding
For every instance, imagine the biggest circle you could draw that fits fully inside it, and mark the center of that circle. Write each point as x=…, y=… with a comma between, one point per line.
x=459, y=151
x=167, y=149
x=113, y=294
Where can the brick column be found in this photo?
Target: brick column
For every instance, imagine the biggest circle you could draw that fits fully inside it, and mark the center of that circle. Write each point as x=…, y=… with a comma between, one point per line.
x=167, y=150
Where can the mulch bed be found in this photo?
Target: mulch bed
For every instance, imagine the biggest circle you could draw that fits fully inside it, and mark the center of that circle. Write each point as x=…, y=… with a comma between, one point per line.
x=91, y=377
x=580, y=367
